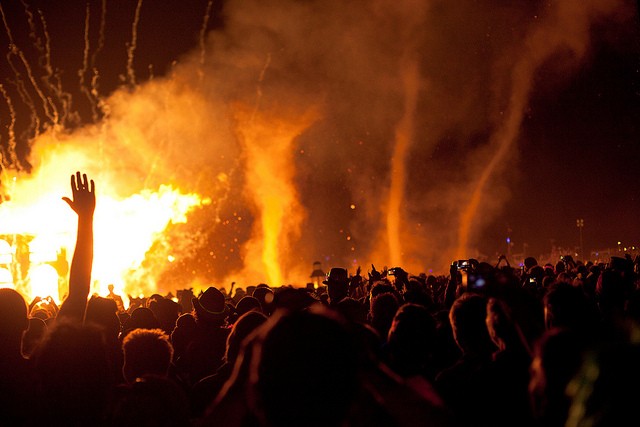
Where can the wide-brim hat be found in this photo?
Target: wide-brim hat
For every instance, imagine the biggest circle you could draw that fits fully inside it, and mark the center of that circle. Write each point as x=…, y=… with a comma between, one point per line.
x=211, y=303
x=337, y=274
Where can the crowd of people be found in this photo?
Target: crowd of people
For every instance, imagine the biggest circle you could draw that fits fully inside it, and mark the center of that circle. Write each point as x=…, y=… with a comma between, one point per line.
x=487, y=345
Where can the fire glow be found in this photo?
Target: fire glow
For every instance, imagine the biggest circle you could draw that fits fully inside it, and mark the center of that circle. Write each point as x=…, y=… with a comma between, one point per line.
x=269, y=147
x=262, y=140
x=125, y=227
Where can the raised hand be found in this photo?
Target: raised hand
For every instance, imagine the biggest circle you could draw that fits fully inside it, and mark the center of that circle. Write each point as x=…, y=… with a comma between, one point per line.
x=84, y=204
x=83, y=193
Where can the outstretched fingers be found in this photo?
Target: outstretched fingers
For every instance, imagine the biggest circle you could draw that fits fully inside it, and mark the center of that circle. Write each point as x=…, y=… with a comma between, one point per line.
x=83, y=192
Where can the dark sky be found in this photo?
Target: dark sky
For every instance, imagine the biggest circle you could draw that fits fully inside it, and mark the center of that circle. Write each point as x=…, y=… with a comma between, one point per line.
x=584, y=154
x=577, y=153
x=581, y=155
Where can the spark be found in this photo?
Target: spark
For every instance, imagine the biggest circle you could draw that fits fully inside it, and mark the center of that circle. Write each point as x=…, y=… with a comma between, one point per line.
x=203, y=30
x=85, y=62
x=61, y=95
x=19, y=83
x=15, y=50
x=131, y=48
x=37, y=42
x=103, y=21
x=12, y=128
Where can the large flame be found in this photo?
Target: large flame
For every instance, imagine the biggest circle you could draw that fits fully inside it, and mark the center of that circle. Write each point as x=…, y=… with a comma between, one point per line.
x=125, y=228
x=225, y=124
x=269, y=146
x=129, y=157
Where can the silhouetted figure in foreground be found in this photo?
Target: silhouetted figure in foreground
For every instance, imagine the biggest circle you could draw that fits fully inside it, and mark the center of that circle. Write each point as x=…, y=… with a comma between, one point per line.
x=205, y=391
x=464, y=386
x=16, y=382
x=557, y=358
x=73, y=374
x=509, y=380
x=410, y=342
x=203, y=354
x=149, y=401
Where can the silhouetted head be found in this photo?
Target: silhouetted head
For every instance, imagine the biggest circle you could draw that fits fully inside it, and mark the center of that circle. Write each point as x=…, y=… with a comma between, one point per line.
x=411, y=338
x=383, y=288
x=305, y=370
x=337, y=282
x=468, y=321
x=210, y=307
x=566, y=306
x=167, y=312
x=13, y=314
x=500, y=323
x=74, y=374
x=247, y=304
x=103, y=312
x=292, y=299
x=530, y=262
x=557, y=357
x=141, y=318
x=383, y=309
x=153, y=298
x=612, y=289
x=265, y=296
x=185, y=331
x=244, y=326
x=146, y=352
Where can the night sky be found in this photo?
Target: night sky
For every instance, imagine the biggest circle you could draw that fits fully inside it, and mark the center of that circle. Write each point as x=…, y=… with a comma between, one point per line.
x=576, y=155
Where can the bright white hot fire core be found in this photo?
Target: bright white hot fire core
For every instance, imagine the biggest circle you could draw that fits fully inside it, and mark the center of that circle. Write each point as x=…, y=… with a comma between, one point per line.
x=38, y=230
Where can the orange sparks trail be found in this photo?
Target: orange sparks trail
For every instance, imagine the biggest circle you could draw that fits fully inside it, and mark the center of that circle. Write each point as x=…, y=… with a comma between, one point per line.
x=132, y=45
x=269, y=146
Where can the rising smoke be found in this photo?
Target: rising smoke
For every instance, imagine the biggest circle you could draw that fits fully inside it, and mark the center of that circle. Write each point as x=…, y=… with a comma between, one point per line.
x=353, y=133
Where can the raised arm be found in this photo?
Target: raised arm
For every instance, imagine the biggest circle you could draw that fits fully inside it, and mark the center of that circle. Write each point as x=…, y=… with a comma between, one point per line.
x=83, y=204
x=451, y=290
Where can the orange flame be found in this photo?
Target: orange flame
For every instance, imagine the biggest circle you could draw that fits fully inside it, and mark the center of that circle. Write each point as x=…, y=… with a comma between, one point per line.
x=125, y=227
x=269, y=144
x=132, y=156
x=404, y=137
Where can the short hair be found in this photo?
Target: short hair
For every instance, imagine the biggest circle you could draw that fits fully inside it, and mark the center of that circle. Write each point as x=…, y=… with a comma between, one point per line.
x=146, y=351
x=468, y=320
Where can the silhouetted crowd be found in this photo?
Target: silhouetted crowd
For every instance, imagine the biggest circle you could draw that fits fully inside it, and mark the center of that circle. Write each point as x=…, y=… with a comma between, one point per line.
x=487, y=345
